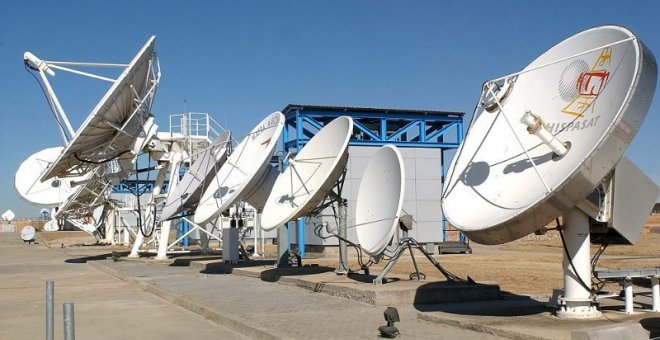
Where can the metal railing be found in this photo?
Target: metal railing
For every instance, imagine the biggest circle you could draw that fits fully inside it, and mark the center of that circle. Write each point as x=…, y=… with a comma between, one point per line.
x=195, y=124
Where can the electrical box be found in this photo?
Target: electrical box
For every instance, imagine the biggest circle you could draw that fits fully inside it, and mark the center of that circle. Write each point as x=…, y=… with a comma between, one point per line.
x=230, y=245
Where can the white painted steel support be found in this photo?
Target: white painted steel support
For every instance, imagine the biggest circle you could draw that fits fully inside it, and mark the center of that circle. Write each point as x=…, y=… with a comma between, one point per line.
x=577, y=301
x=165, y=226
x=139, y=239
x=628, y=292
x=655, y=288
x=257, y=231
x=282, y=246
x=196, y=226
x=110, y=227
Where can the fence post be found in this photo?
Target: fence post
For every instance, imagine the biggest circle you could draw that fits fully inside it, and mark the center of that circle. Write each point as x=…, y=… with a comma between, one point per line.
x=50, y=293
x=69, y=324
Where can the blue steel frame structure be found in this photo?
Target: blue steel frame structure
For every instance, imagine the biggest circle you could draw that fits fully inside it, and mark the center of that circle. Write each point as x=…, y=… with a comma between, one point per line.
x=374, y=127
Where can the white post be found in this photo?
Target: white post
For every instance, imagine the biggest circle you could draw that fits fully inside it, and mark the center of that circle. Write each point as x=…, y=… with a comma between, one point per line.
x=110, y=226
x=139, y=239
x=165, y=226
x=628, y=290
x=257, y=229
x=576, y=302
x=655, y=287
x=125, y=229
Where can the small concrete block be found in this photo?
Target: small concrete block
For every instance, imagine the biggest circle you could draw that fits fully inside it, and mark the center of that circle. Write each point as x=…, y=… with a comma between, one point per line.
x=628, y=331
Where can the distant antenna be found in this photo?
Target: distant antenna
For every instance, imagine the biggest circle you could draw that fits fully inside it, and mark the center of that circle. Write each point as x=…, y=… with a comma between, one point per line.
x=189, y=190
x=246, y=175
x=51, y=192
x=27, y=234
x=8, y=216
x=545, y=138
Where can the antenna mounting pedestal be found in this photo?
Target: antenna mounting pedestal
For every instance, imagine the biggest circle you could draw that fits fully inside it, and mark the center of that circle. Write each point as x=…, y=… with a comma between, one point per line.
x=405, y=223
x=577, y=302
x=342, y=267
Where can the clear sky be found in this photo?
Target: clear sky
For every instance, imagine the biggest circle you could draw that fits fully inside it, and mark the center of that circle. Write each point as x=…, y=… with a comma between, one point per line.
x=240, y=60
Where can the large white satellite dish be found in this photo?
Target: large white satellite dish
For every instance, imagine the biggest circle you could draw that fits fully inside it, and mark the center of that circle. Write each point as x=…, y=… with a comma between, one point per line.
x=310, y=175
x=246, y=174
x=111, y=129
x=51, y=192
x=189, y=190
x=556, y=130
x=380, y=200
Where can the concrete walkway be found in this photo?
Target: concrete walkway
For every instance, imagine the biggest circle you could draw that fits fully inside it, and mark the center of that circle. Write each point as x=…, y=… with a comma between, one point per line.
x=155, y=300
x=105, y=307
x=174, y=299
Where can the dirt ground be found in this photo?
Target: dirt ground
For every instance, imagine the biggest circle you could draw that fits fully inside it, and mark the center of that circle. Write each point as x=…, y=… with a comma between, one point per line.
x=531, y=265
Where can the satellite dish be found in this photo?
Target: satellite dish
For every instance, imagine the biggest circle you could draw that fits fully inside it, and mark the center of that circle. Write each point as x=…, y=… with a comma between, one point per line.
x=310, y=176
x=27, y=233
x=380, y=200
x=51, y=225
x=112, y=128
x=246, y=173
x=557, y=129
x=89, y=195
x=8, y=216
x=51, y=192
x=188, y=191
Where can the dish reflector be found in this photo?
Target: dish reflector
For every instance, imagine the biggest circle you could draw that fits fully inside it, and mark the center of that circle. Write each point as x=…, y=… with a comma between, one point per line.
x=244, y=173
x=188, y=191
x=51, y=192
x=89, y=195
x=111, y=129
x=27, y=233
x=8, y=216
x=591, y=92
x=310, y=176
x=380, y=200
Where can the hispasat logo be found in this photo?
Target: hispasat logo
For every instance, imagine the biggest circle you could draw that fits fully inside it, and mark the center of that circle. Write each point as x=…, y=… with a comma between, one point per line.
x=580, y=85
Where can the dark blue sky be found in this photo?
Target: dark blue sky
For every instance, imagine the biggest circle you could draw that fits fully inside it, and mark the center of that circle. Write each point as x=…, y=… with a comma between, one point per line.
x=240, y=60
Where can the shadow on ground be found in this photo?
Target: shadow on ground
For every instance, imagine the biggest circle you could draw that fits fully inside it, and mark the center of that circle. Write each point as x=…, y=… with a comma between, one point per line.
x=652, y=325
x=482, y=300
x=113, y=255
x=274, y=274
x=228, y=268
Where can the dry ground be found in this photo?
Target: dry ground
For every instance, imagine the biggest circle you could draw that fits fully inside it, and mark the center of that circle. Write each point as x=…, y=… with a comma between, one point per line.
x=531, y=265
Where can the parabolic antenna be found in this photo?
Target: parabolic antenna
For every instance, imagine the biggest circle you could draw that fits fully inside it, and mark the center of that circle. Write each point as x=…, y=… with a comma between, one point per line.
x=111, y=129
x=379, y=200
x=189, y=190
x=8, y=216
x=89, y=195
x=549, y=135
x=246, y=173
x=27, y=233
x=310, y=175
x=51, y=192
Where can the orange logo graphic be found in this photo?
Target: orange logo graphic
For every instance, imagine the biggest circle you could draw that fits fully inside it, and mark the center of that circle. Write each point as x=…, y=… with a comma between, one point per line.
x=589, y=85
